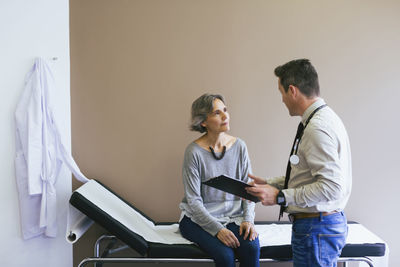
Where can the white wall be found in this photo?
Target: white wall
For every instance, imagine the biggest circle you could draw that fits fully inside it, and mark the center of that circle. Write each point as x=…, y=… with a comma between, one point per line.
x=29, y=29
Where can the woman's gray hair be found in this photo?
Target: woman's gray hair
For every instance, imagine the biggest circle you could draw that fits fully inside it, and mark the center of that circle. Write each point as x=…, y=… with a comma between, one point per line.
x=201, y=108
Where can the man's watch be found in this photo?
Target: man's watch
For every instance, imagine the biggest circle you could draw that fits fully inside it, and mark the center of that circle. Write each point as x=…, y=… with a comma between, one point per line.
x=280, y=198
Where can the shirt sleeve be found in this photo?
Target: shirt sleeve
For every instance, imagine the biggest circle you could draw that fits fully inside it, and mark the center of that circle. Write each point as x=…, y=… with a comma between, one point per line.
x=321, y=155
x=248, y=206
x=192, y=188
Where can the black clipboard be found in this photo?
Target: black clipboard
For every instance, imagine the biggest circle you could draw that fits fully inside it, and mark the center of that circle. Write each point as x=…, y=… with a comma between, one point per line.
x=231, y=186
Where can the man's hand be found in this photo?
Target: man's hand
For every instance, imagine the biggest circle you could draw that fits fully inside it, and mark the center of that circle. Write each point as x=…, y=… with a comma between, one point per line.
x=265, y=192
x=247, y=228
x=256, y=180
x=228, y=238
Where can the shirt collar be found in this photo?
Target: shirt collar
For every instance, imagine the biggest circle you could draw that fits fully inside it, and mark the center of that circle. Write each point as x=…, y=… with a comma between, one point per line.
x=310, y=109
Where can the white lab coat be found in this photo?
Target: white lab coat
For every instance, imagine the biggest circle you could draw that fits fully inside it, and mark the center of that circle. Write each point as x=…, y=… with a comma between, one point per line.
x=39, y=154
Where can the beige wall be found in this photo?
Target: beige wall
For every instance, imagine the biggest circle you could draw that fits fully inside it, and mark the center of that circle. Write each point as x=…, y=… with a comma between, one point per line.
x=136, y=67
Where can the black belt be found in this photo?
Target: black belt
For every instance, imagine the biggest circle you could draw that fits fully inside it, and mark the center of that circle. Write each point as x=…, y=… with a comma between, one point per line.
x=296, y=216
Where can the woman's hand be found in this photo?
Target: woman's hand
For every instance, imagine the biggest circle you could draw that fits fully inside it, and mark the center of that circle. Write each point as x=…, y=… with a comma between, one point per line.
x=228, y=238
x=248, y=229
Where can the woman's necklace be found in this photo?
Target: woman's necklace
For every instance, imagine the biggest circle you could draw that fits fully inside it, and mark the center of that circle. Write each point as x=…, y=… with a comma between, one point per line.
x=215, y=156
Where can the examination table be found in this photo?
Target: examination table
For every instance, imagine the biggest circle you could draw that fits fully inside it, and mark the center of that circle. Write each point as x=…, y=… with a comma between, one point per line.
x=162, y=242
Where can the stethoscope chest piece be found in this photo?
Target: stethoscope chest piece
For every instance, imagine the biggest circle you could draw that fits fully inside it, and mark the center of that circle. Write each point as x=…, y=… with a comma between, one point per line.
x=294, y=159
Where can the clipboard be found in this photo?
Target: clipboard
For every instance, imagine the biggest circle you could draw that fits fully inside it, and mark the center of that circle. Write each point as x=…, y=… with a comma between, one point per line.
x=231, y=186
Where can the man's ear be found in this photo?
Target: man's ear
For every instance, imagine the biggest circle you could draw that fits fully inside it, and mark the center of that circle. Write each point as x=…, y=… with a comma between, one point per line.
x=293, y=91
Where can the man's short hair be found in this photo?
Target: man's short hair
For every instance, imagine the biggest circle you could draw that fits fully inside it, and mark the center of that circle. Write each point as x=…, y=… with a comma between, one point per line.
x=201, y=108
x=299, y=73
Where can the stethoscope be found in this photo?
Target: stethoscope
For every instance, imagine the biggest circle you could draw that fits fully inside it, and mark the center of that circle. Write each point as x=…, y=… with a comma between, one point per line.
x=294, y=159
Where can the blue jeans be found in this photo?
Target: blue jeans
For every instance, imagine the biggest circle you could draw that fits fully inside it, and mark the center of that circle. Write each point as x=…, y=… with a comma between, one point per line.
x=223, y=256
x=318, y=241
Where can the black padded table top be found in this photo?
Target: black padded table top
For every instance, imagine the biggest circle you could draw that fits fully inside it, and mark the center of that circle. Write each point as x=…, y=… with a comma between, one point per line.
x=157, y=250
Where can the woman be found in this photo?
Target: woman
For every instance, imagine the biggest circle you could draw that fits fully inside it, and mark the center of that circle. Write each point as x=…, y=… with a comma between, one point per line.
x=220, y=223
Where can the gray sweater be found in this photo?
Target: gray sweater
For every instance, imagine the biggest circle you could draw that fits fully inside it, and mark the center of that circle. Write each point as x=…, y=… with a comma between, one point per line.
x=209, y=207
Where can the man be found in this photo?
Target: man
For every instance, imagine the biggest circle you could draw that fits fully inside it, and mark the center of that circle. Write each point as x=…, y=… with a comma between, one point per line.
x=318, y=178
